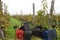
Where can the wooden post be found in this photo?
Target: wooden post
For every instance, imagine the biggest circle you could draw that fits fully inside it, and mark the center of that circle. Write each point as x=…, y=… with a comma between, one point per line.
x=21, y=14
x=0, y=5
x=5, y=8
x=51, y=13
x=1, y=30
x=1, y=12
x=33, y=14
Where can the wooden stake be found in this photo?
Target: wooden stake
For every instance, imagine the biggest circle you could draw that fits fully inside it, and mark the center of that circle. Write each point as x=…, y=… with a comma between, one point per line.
x=51, y=13
x=33, y=14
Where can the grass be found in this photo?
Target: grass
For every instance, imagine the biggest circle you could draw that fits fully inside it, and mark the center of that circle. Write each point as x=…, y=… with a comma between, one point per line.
x=35, y=38
x=11, y=30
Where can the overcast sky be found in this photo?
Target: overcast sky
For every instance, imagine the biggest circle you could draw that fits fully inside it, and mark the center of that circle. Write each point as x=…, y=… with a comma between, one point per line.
x=15, y=6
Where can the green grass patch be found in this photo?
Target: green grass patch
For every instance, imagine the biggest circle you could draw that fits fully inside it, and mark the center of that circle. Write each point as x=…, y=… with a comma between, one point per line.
x=11, y=30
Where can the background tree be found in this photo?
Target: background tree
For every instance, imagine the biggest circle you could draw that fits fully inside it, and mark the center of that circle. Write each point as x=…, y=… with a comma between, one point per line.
x=42, y=14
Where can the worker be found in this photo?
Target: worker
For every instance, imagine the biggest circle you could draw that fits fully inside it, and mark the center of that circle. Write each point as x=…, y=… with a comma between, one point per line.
x=20, y=34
